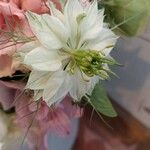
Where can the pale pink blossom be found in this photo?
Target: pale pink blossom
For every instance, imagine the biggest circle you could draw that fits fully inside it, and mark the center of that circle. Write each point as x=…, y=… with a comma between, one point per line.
x=37, y=116
x=42, y=119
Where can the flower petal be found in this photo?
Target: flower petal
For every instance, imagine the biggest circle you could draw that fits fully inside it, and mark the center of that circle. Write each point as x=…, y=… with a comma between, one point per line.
x=10, y=9
x=91, y=29
x=37, y=94
x=5, y=66
x=103, y=42
x=57, y=27
x=72, y=9
x=55, y=12
x=42, y=59
x=62, y=91
x=44, y=34
x=6, y=96
x=37, y=80
x=57, y=87
x=80, y=87
x=26, y=48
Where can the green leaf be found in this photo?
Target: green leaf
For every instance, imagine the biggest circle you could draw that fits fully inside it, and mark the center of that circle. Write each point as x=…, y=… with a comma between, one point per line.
x=127, y=17
x=100, y=101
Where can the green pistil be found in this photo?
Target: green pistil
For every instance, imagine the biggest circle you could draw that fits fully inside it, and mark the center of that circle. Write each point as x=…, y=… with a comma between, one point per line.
x=91, y=63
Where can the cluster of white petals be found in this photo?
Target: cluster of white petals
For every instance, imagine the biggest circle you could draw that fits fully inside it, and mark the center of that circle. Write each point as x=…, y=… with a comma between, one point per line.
x=79, y=27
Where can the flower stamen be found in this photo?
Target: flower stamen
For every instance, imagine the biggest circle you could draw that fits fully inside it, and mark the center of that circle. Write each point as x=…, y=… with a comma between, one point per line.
x=91, y=63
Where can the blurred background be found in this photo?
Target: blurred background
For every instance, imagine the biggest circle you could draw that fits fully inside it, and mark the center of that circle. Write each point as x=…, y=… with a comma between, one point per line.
x=132, y=89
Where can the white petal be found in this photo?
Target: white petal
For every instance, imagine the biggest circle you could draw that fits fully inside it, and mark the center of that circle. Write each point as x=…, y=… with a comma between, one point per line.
x=38, y=94
x=94, y=80
x=72, y=9
x=55, y=12
x=42, y=59
x=91, y=17
x=104, y=41
x=80, y=87
x=107, y=51
x=43, y=32
x=57, y=27
x=26, y=48
x=62, y=91
x=53, y=85
x=37, y=80
x=91, y=29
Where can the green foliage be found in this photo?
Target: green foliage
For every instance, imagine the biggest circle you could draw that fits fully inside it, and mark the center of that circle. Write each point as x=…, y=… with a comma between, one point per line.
x=127, y=17
x=100, y=101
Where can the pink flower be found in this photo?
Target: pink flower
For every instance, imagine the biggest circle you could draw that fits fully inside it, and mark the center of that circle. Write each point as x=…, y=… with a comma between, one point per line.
x=52, y=120
x=37, y=117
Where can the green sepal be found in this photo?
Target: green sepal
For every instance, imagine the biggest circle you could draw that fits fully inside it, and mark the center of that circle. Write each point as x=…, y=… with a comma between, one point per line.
x=100, y=102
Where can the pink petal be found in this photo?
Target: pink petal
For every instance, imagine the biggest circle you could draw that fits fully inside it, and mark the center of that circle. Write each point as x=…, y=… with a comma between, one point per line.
x=10, y=9
x=73, y=111
x=7, y=47
x=57, y=3
x=14, y=85
x=8, y=92
x=6, y=96
x=5, y=65
x=37, y=6
x=43, y=111
x=26, y=28
x=1, y=21
x=60, y=122
x=17, y=2
x=37, y=141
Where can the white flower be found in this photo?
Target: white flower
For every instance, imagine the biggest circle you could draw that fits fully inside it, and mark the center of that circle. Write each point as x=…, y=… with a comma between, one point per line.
x=66, y=41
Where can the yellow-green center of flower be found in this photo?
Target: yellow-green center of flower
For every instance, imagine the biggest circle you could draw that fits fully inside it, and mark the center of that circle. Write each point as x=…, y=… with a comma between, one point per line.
x=90, y=62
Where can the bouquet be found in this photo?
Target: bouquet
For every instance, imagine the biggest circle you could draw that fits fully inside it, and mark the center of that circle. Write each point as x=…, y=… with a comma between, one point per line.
x=54, y=55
